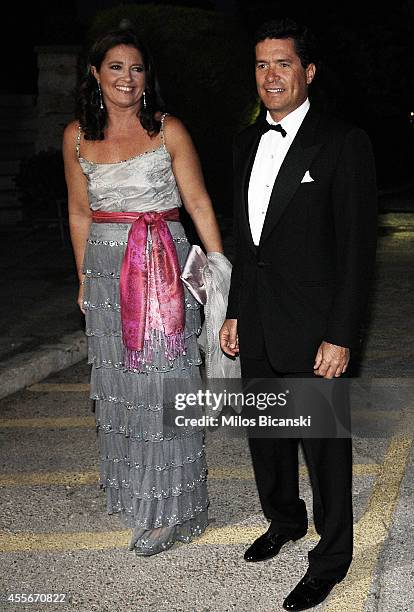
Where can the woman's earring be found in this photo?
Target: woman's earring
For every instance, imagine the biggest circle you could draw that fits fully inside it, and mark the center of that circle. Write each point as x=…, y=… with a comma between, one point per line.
x=101, y=106
x=144, y=101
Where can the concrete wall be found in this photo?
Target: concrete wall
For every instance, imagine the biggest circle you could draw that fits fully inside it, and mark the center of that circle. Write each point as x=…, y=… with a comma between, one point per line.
x=56, y=87
x=18, y=130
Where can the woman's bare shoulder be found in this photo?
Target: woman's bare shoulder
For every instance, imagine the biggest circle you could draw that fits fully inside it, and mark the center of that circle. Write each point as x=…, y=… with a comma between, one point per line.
x=70, y=133
x=175, y=130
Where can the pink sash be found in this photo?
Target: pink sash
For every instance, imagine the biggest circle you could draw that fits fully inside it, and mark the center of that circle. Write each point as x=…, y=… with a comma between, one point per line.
x=134, y=284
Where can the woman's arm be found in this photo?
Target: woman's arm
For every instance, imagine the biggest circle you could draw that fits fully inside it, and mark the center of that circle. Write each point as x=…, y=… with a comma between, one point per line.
x=78, y=204
x=190, y=181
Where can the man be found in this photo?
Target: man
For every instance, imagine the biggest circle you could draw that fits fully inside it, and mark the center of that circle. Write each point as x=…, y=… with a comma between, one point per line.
x=305, y=234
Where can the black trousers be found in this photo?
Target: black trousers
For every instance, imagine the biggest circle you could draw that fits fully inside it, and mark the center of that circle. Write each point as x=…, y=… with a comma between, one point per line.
x=276, y=469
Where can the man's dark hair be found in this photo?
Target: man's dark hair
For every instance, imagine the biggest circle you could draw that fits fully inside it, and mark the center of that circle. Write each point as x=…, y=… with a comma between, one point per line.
x=305, y=41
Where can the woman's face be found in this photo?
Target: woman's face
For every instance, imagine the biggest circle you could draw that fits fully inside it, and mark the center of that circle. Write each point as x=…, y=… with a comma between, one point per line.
x=121, y=76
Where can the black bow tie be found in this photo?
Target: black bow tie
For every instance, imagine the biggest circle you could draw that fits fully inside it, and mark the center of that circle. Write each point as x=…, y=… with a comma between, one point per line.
x=265, y=127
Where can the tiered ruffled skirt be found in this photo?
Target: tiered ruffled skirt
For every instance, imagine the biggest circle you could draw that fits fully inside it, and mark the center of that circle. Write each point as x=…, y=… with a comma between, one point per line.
x=154, y=475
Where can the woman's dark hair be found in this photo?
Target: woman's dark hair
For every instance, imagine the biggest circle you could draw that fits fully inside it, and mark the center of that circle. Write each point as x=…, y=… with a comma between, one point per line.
x=305, y=41
x=91, y=117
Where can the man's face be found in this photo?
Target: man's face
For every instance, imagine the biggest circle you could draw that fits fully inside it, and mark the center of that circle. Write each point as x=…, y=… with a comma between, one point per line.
x=282, y=82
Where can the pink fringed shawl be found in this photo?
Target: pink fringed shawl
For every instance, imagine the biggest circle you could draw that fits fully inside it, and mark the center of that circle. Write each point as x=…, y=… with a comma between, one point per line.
x=135, y=286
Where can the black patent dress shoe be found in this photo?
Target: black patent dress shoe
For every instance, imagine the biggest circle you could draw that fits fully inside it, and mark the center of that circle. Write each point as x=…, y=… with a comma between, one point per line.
x=309, y=592
x=267, y=546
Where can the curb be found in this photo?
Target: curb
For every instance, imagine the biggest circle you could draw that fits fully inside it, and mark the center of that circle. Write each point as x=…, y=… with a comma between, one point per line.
x=33, y=366
x=396, y=219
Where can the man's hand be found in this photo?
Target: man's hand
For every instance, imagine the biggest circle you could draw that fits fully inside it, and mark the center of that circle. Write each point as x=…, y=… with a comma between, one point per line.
x=331, y=360
x=229, y=340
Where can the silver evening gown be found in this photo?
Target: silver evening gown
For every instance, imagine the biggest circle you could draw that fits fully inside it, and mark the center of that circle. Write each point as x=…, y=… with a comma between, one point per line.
x=154, y=478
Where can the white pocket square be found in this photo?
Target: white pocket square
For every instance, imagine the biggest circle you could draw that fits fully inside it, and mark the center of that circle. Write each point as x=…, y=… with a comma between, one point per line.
x=307, y=178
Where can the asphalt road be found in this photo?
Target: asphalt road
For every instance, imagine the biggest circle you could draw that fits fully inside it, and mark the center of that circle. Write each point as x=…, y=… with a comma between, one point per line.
x=56, y=538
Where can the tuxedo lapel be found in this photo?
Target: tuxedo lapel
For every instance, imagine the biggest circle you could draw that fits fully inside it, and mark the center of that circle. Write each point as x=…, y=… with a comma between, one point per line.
x=248, y=157
x=297, y=161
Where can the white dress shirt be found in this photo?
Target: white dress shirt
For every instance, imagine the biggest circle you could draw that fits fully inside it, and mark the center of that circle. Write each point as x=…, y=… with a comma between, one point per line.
x=269, y=158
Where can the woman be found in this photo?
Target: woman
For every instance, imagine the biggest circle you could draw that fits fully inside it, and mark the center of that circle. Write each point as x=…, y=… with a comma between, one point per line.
x=128, y=169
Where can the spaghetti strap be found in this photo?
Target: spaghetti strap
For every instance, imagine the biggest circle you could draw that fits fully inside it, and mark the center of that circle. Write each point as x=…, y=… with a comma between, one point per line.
x=162, y=128
x=78, y=139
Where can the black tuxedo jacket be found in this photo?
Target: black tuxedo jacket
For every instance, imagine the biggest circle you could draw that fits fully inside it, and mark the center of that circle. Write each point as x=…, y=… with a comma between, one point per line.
x=308, y=279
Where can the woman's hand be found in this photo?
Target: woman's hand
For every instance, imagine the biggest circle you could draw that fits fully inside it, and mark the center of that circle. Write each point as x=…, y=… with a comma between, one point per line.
x=80, y=295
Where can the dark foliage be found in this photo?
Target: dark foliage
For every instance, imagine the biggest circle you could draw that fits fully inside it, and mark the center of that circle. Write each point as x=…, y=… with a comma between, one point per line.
x=204, y=64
